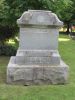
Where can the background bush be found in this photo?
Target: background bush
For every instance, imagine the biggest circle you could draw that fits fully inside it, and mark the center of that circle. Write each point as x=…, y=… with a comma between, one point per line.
x=7, y=50
x=7, y=32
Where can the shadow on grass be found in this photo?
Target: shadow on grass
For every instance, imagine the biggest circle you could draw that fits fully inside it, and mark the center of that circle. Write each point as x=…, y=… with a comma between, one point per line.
x=3, y=67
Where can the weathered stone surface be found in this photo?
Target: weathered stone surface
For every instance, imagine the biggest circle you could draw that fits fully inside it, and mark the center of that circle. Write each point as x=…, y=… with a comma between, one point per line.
x=39, y=38
x=37, y=28
x=36, y=53
x=37, y=60
x=23, y=74
x=39, y=17
x=51, y=57
x=35, y=74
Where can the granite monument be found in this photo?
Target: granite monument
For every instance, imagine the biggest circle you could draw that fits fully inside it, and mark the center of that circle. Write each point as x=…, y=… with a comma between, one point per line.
x=37, y=60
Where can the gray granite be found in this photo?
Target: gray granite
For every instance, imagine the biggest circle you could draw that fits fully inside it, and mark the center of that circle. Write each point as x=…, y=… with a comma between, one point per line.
x=39, y=17
x=39, y=38
x=37, y=60
x=36, y=74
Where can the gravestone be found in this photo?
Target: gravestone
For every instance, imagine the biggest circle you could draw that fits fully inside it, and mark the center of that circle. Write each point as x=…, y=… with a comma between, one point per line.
x=37, y=60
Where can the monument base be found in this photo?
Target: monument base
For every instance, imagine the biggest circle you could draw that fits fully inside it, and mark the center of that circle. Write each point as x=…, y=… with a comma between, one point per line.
x=36, y=74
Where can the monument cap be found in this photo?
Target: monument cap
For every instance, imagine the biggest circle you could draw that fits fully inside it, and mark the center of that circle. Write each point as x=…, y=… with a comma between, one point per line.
x=39, y=17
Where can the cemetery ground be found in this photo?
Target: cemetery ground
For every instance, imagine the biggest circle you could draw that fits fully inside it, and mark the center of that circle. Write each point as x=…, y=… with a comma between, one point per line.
x=44, y=92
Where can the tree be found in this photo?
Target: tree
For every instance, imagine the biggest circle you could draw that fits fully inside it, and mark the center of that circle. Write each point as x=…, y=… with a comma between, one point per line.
x=66, y=16
x=11, y=10
x=7, y=22
x=62, y=8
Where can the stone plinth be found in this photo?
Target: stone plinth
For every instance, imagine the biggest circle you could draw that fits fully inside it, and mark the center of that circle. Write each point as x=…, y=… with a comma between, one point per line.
x=36, y=74
x=37, y=60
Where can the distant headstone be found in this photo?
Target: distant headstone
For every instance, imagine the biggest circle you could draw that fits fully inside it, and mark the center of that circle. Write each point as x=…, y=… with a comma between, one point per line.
x=37, y=60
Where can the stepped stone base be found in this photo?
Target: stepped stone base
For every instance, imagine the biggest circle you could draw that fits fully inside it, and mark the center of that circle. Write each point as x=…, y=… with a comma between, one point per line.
x=36, y=74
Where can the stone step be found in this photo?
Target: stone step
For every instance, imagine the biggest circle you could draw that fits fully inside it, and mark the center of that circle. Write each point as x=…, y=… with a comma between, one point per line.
x=36, y=53
x=37, y=60
x=36, y=74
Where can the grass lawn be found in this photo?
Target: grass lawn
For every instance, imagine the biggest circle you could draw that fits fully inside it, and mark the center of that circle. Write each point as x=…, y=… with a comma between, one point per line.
x=50, y=92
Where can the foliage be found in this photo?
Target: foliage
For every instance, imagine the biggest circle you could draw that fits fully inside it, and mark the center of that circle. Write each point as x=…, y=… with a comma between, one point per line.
x=68, y=14
x=11, y=10
x=8, y=27
x=6, y=32
x=14, y=9
x=7, y=50
x=72, y=10
x=62, y=8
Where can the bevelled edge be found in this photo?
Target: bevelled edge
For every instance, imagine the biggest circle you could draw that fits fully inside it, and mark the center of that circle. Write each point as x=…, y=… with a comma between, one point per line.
x=39, y=10
x=26, y=17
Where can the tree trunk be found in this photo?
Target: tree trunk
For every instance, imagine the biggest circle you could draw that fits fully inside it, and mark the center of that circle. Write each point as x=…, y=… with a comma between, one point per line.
x=68, y=26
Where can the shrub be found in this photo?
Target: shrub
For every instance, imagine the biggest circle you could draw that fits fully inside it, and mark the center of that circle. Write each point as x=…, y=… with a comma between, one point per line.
x=7, y=50
x=7, y=32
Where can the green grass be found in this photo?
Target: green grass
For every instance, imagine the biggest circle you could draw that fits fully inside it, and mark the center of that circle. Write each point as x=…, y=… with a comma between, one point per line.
x=50, y=92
